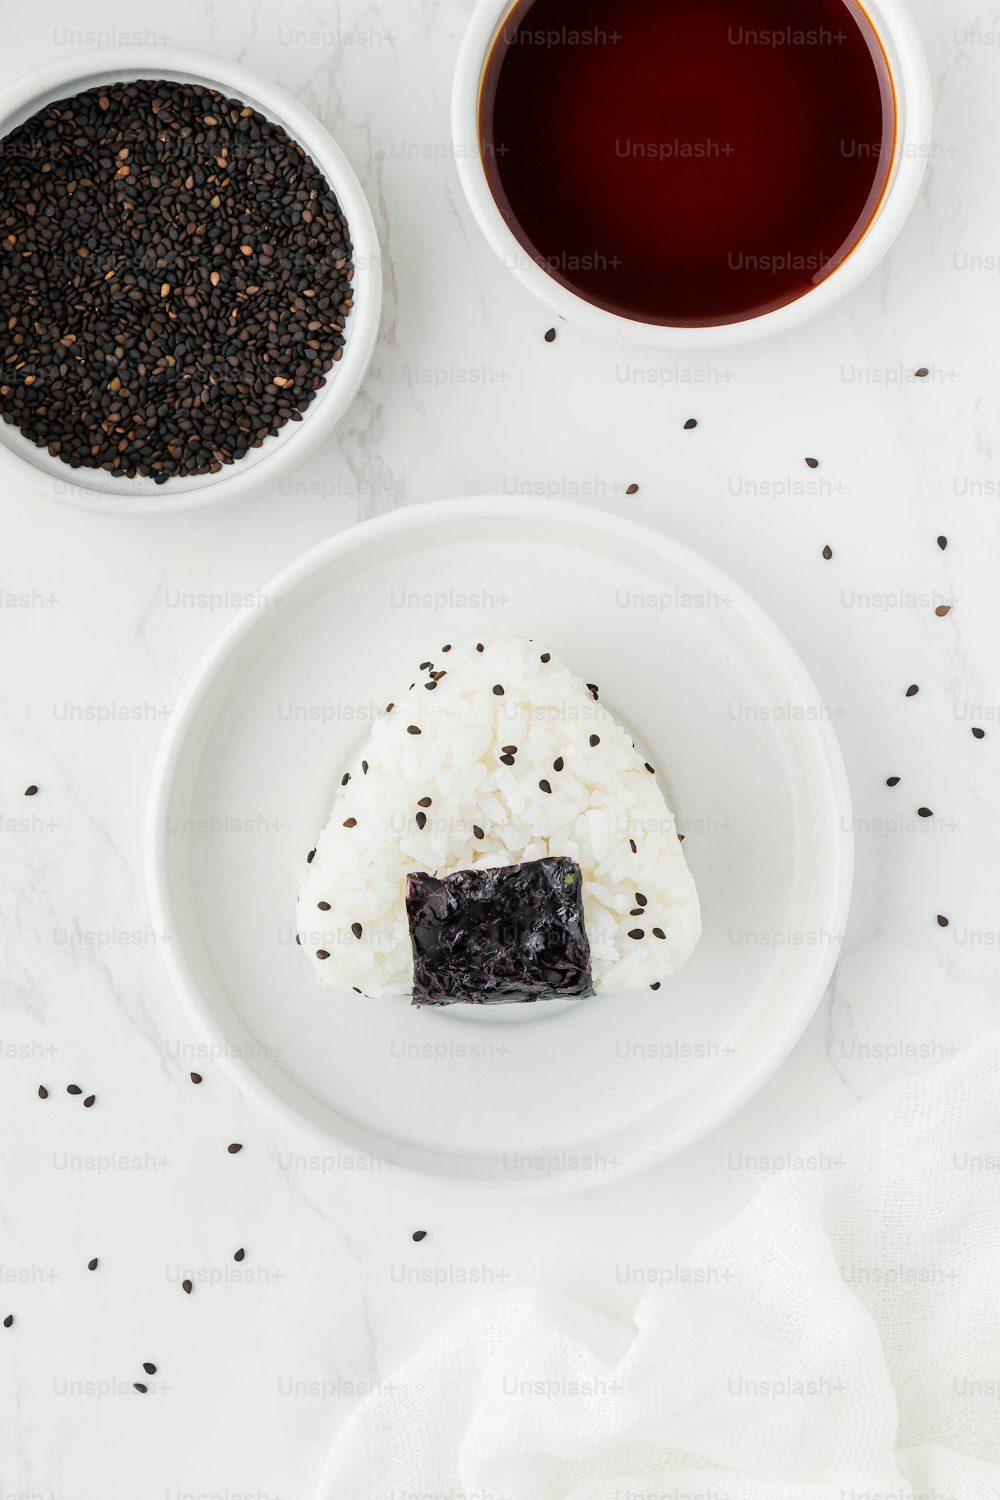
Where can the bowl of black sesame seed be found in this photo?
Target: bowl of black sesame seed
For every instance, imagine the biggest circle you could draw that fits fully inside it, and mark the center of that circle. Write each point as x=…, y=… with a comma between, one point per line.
x=190, y=282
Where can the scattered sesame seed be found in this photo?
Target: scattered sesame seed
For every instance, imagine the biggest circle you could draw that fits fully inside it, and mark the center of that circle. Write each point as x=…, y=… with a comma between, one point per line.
x=477, y=832
x=187, y=1286
x=594, y=688
x=545, y=786
x=445, y=648
x=234, y=1147
x=942, y=542
x=323, y=905
x=357, y=929
x=321, y=953
x=942, y=610
x=425, y=802
x=546, y=656
x=636, y=911
x=922, y=373
x=690, y=424
x=389, y=707
x=924, y=812
x=980, y=734
x=595, y=739
x=89, y=1100
x=31, y=791
x=195, y=1077
x=507, y=760
x=497, y=690
x=364, y=768
x=346, y=779
x=558, y=763
x=419, y=1234
x=658, y=932
x=813, y=463
x=425, y=666
x=550, y=335
x=149, y=1368
x=641, y=899
x=412, y=729
x=912, y=690
x=655, y=986
x=73, y=1088
x=637, y=933
x=430, y=686
x=239, y=1254
x=438, y=675
x=43, y=1092
x=649, y=768
x=510, y=749
x=92, y=1264
x=142, y=1389
x=8, y=1320
x=632, y=846
x=480, y=647
x=942, y=921
x=310, y=856
x=350, y=822
x=828, y=553
x=632, y=489
x=892, y=781
x=421, y=820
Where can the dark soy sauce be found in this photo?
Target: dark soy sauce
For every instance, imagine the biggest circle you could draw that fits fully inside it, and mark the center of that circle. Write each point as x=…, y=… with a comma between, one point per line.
x=687, y=162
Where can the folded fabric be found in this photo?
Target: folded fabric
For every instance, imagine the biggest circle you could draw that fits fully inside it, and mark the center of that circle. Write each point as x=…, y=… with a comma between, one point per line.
x=840, y=1340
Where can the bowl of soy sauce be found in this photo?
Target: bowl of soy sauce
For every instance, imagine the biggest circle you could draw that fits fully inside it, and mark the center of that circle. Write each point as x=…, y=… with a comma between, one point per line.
x=691, y=173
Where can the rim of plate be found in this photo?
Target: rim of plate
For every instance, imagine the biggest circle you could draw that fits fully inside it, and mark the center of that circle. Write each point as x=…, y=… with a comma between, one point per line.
x=93, y=490
x=198, y=690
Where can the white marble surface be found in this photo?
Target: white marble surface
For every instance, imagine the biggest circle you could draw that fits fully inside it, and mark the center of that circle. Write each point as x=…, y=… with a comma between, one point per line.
x=258, y=1371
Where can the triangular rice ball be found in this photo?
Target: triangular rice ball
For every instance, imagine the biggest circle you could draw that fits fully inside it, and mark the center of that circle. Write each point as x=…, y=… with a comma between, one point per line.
x=496, y=756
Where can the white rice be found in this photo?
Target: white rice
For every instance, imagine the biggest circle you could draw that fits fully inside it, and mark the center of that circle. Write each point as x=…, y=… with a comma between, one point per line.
x=602, y=801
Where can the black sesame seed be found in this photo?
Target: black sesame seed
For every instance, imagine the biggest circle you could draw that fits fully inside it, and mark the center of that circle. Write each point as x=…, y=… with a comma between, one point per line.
x=507, y=760
x=187, y=1287
x=8, y=1320
x=425, y=666
x=649, y=768
x=545, y=786
x=310, y=856
x=149, y=1368
x=924, y=812
x=632, y=489
x=419, y=1234
x=497, y=690
x=357, y=929
x=655, y=986
x=73, y=1088
x=421, y=820
x=239, y=1254
x=912, y=690
x=595, y=739
x=922, y=373
x=430, y=686
x=477, y=832
x=550, y=335
x=658, y=932
x=43, y=1092
x=892, y=781
x=690, y=424
x=594, y=688
x=92, y=1264
x=980, y=734
x=142, y=1389
x=641, y=899
x=632, y=846
x=234, y=1147
x=195, y=1077
x=636, y=911
x=364, y=768
x=31, y=791
x=546, y=656
x=424, y=802
x=942, y=921
x=346, y=779
x=827, y=553
x=89, y=1101
x=510, y=749
x=323, y=905
x=558, y=763
x=942, y=542
x=350, y=822
x=813, y=463
x=445, y=648
x=389, y=707
x=412, y=729
x=637, y=933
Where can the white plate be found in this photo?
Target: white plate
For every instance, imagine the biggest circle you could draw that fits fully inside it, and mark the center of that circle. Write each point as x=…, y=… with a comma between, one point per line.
x=521, y=1098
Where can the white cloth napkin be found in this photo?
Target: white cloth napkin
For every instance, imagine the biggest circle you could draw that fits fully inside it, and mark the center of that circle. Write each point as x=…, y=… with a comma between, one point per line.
x=841, y=1342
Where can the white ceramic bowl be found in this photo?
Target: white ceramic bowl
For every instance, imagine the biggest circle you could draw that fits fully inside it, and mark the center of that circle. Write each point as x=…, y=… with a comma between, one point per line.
x=93, y=489
x=911, y=81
